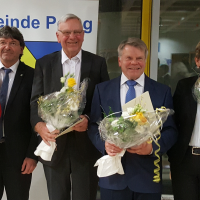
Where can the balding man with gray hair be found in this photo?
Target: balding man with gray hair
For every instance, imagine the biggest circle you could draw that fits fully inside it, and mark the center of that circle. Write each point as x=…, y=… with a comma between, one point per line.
x=71, y=171
x=138, y=161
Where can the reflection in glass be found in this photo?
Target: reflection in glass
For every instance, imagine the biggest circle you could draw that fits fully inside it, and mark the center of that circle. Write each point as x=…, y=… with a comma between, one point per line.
x=178, y=36
x=118, y=20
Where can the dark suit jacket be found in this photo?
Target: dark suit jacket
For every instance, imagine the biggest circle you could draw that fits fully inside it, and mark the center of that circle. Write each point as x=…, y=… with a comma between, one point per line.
x=185, y=113
x=48, y=72
x=139, y=170
x=21, y=141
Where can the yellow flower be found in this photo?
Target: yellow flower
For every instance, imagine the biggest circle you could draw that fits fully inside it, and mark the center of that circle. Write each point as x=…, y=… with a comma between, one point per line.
x=71, y=82
x=140, y=118
x=70, y=90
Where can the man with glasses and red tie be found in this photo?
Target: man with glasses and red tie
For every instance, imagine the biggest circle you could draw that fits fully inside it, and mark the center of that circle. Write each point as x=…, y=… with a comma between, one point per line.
x=71, y=167
x=17, y=139
x=138, y=161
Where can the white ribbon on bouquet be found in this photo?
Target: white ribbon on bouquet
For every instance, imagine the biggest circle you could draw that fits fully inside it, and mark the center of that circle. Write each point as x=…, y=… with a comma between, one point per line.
x=45, y=151
x=109, y=165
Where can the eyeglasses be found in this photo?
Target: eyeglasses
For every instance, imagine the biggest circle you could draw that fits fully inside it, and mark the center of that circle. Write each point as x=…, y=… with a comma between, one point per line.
x=12, y=44
x=68, y=33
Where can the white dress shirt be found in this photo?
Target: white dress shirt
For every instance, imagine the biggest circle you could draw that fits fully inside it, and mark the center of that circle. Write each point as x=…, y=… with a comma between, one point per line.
x=139, y=88
x=11, y=76
x=72, y=66
x=195, y=139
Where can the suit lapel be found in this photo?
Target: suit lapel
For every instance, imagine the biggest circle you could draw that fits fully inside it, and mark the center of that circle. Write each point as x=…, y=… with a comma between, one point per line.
x=16, y=83
x=57, y=72
x=86, y=64
x=192, y=102
x=147, y=84
x=114, y=100
x=193, y=109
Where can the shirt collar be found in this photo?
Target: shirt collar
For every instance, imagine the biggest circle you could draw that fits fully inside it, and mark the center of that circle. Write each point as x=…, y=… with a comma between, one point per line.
x=64, y=57
x=140, y=80
x=13, y=67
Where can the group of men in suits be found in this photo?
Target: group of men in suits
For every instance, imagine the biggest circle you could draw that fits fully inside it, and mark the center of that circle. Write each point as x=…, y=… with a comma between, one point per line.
x=71, y=172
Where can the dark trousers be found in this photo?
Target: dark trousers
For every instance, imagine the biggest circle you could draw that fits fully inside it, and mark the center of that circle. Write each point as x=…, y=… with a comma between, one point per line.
x=16, y=185
x=186, y=177
x=72, y=175
x=127, y=194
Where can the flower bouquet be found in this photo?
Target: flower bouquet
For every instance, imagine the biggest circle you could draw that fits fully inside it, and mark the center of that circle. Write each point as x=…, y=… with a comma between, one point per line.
x=196, y=90
x=61, y=110
x=135, y=126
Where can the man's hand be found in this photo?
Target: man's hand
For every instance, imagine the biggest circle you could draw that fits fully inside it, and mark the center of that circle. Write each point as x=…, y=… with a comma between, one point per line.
x=143, y=149
x=111, y=149
x=82, y=126
x=28, y=166
x=42, y=129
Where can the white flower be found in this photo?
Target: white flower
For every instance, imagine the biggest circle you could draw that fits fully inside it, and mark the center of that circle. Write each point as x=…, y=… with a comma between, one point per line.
x=73, y=107
x=57, y=93
x=116, y=133
x=62, y=79
x=125, y=114
x=64, y=89
x=130, y=110
x=114, y=123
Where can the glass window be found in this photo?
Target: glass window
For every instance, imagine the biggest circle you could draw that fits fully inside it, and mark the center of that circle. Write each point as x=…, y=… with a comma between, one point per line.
x=178, y=36
x=179, y=31
x=118, y=20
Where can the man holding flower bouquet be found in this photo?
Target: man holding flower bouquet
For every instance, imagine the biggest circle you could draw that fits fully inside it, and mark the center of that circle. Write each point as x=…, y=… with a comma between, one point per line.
x=138, y=161
x=71, y=167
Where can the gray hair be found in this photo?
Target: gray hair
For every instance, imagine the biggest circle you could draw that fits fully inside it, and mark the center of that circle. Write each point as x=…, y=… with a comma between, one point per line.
x=66, y=17
x=134, y=42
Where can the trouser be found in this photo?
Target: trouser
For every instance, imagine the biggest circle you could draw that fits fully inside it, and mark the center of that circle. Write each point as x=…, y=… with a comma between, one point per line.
x=186, y=177
x=16, y=185
x=73, y=176
x=127, y=194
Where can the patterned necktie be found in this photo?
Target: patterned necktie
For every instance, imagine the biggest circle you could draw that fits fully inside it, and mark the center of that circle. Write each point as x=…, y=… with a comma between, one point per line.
x=131, y=91
x=3, y=95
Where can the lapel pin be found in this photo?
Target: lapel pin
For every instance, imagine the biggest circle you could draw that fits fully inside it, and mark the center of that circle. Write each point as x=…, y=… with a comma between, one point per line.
x=21, y=75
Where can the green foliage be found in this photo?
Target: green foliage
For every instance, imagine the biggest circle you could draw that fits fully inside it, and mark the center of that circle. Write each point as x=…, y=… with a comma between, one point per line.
x=51, y=105
x=120, y=130
x=110, y=114
x=123, y=124
x=124, y=128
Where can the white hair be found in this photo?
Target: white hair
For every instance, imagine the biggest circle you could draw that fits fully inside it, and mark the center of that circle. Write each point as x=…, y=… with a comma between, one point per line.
x=66, y=17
